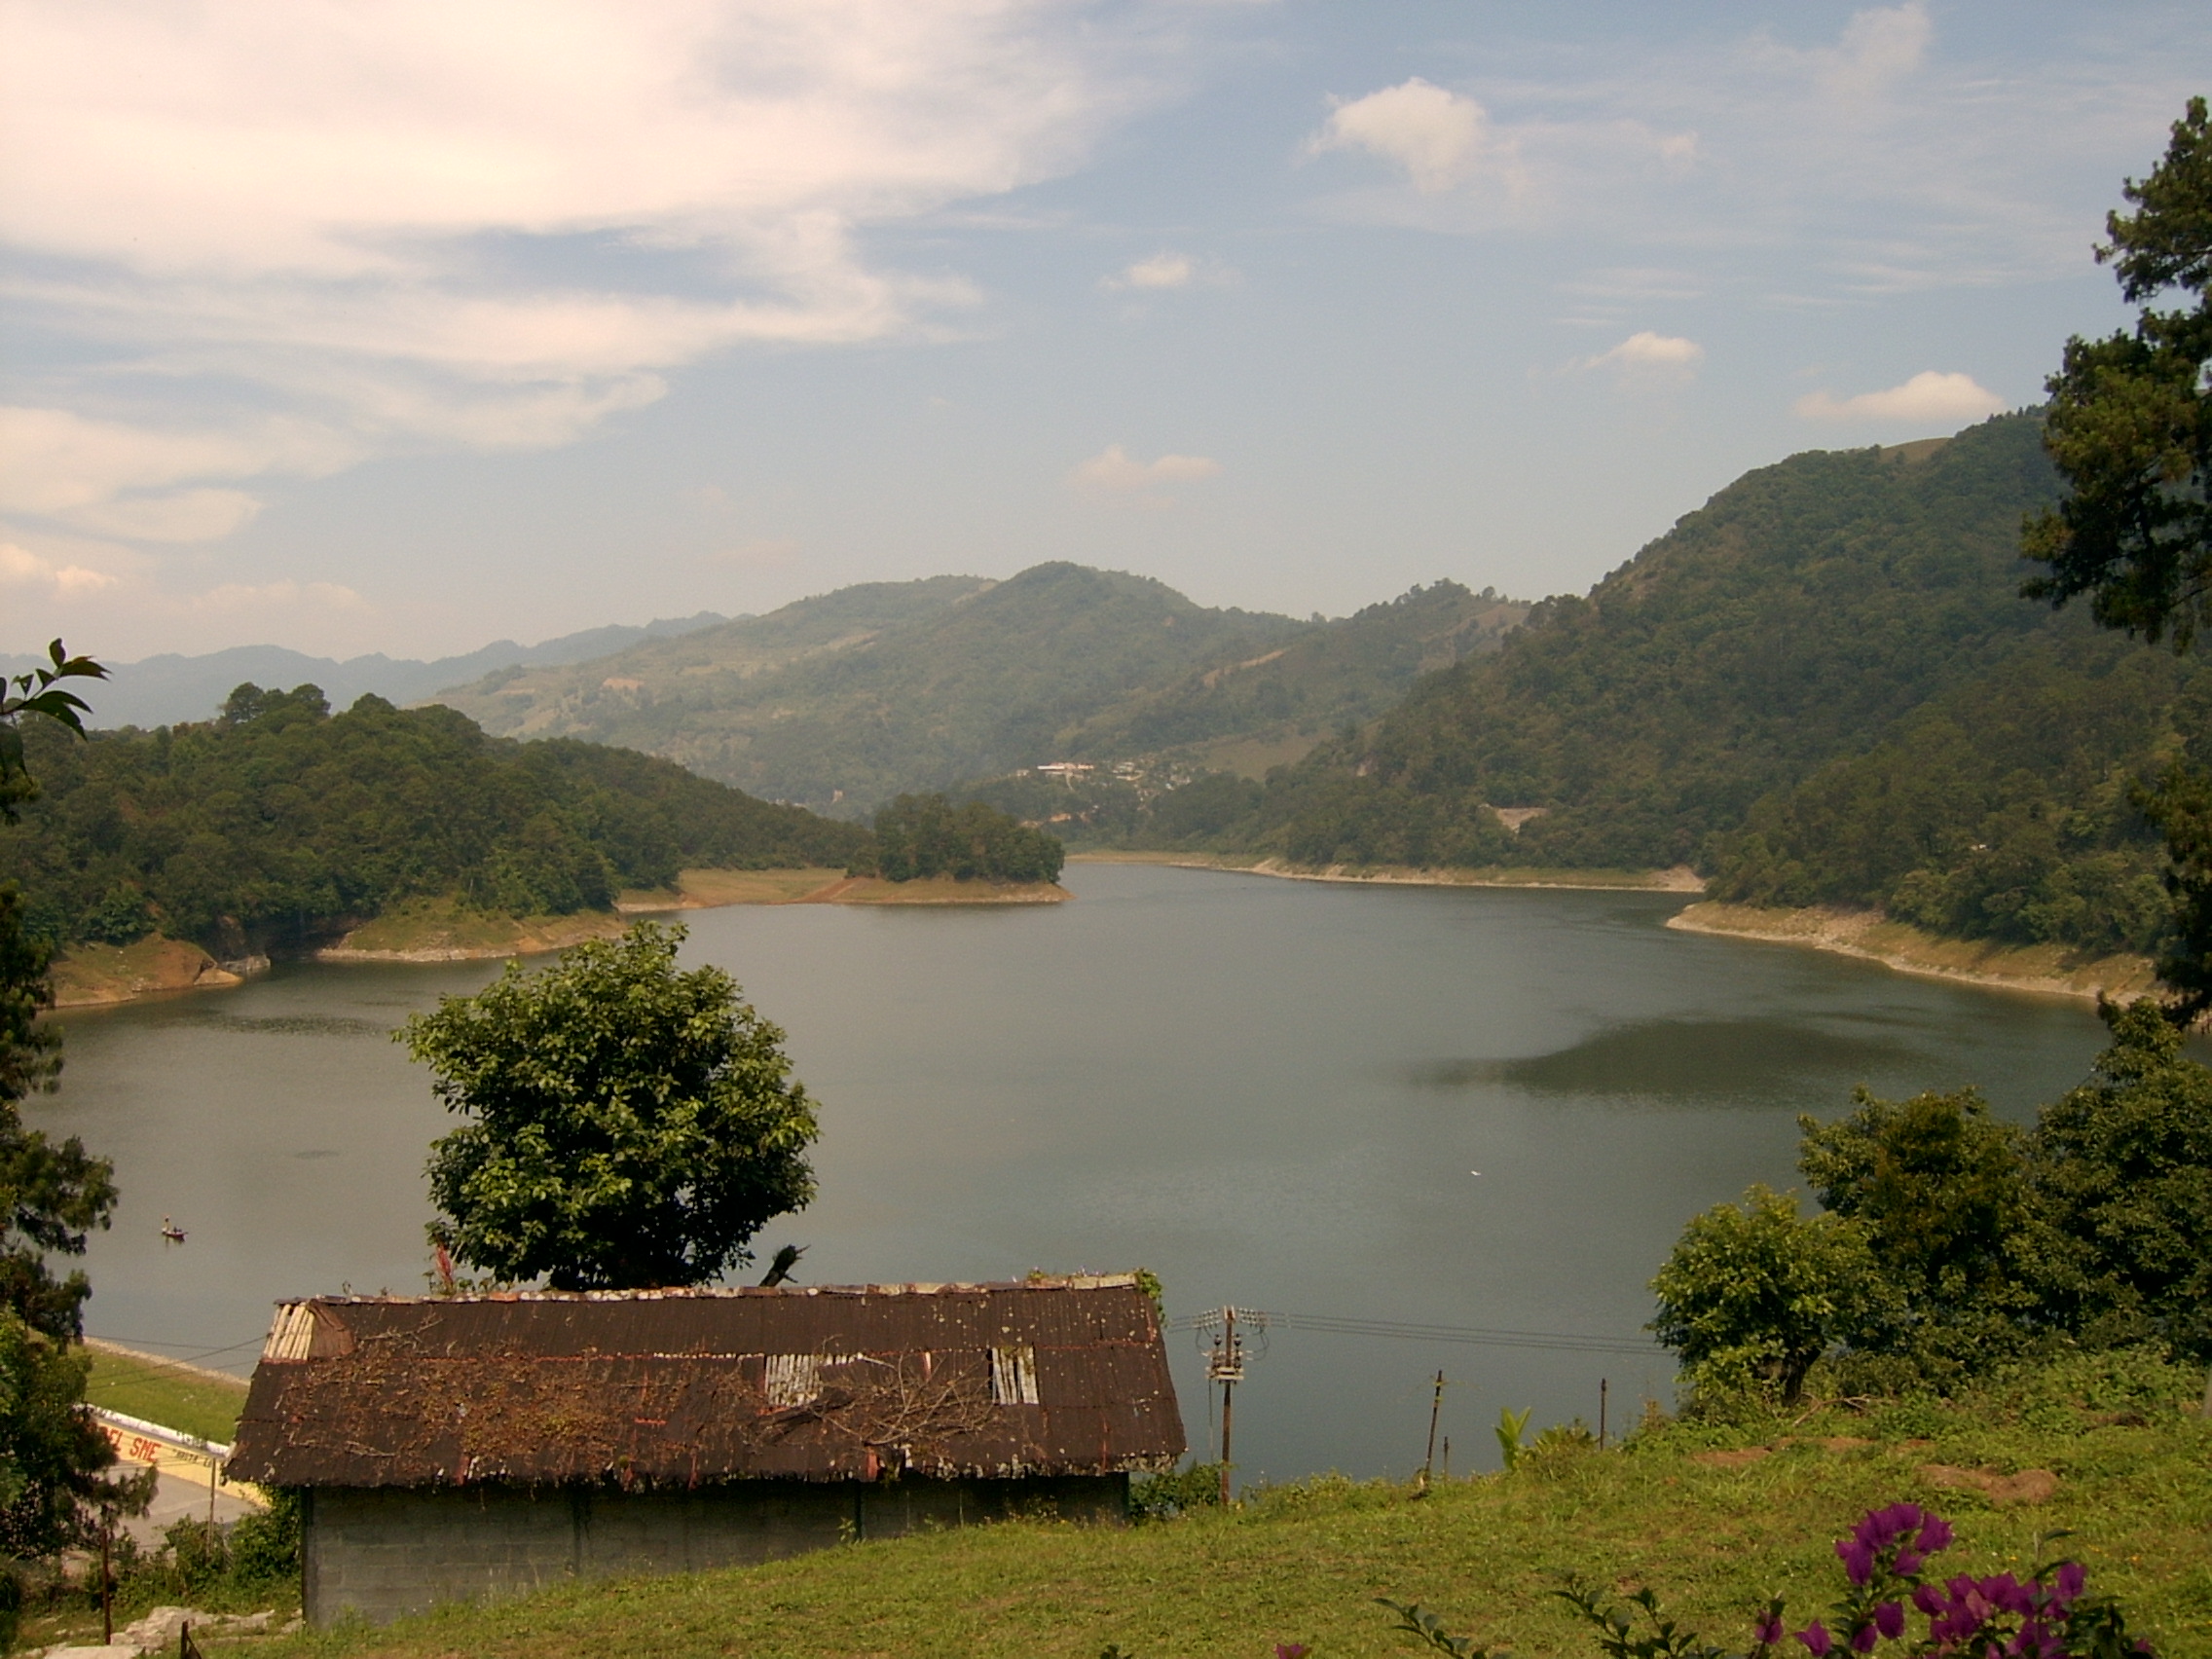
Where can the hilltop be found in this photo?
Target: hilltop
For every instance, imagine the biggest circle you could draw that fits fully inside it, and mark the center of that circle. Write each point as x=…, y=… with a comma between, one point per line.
x=857, y=695
x=1820, y=687
x=279, y=826
x=170, y=688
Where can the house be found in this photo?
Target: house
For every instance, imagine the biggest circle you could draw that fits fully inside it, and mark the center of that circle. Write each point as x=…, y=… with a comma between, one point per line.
x=473, y=1447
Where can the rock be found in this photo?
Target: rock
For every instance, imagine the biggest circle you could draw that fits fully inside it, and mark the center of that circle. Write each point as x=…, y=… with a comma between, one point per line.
x=115, y=1651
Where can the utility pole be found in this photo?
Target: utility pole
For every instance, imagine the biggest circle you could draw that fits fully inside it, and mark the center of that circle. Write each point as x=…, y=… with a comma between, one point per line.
x=1601, y=1387
x=1435, y=1407
x=1226, y=1366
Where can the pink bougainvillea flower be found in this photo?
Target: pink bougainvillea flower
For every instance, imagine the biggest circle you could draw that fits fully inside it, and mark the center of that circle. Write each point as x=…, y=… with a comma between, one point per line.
x=1815, y=1636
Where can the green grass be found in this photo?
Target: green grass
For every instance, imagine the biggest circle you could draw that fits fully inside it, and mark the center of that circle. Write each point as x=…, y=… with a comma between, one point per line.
x=142, y=1386
x=1302, y=1563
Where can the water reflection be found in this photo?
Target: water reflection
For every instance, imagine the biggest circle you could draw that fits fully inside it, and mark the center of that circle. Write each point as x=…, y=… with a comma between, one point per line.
x=1745, y=1062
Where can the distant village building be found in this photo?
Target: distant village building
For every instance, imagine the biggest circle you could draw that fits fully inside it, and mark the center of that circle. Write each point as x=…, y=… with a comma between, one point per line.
x=469, y=1447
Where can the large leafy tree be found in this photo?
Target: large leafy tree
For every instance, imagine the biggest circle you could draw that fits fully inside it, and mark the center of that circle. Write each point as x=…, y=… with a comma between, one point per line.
x=1755, y=1293
x=634, y=1126
x=2120, y=1174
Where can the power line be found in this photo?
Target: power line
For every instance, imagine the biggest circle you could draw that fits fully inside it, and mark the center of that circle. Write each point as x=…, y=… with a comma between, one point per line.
x=1412, y=1331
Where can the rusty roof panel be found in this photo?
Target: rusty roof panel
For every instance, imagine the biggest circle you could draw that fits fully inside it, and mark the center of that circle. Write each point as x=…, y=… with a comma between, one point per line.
x=823, y=1383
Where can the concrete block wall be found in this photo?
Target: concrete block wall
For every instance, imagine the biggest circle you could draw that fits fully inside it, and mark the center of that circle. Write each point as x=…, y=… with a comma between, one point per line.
x=381, y=1553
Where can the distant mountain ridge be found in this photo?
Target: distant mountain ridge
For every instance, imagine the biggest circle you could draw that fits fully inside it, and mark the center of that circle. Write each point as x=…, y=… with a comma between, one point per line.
x=844, y=700
x=170, y=688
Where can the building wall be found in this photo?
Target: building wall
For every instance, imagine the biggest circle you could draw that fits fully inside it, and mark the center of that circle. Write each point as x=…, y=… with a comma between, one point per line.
x=384, y=1552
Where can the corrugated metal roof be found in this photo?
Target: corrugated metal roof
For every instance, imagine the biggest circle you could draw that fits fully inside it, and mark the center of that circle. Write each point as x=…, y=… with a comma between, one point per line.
x=1044, y=1376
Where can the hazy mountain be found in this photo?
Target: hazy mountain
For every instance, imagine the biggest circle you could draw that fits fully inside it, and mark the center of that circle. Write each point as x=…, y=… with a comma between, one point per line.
x=856, y=695
x=167, y=690
x=859, y=694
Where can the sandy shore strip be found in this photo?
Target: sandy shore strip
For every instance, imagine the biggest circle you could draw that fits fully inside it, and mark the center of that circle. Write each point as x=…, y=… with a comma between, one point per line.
x=2041, y=970
x=1680, y=879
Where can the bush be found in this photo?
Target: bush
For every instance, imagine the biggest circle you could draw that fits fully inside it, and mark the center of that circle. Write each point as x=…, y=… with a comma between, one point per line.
x=1162, y=1497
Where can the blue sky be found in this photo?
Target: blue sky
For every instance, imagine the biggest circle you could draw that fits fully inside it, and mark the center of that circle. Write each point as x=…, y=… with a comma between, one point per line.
x=409, y=327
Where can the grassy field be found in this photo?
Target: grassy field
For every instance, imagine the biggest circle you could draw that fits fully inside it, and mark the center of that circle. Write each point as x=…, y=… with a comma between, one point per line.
x=143, y=1386
x=1712, y=1535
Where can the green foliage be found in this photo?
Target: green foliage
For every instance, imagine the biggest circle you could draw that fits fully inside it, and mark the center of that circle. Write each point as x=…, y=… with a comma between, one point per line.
x=1179, y=1491
x=2130, y=423
x=1952, y=1246
x=1792, y=620
x=280, y=823
x=634, y=1126
x=2120, y=1176
x=1755, y=1293
x=917, y=836
x=1511, y=1426
x=1418, y=1622
x=39, y=692
x=1938, y=1191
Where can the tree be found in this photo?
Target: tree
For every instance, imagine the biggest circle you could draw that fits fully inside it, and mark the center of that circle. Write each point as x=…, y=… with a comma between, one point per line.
x=51, y=1196
x=634, y=1126
x=1755, y=1293
x=925, y=836
x=2120, y=1176
x=1938, y=1188
x=2130, y=419
x=2131, y=429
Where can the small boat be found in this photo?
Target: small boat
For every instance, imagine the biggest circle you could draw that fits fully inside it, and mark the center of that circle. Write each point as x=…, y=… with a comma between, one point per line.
x=171, y=1234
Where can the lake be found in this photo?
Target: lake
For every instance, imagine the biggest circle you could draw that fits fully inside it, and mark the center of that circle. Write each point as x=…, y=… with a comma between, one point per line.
x=1272, y=1093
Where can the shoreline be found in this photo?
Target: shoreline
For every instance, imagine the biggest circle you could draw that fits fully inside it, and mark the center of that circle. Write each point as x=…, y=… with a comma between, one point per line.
x=1872, y=936
x=106, y=976
x=1680, y=879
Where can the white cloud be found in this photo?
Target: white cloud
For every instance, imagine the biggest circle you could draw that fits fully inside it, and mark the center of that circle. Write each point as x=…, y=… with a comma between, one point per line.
x=1114, y=472
x=1666, y=355
x=1440, y=138
x=20, y=567
x=1927, y=396
x=1169, y=270
x=386, y=216
x=1878, y=48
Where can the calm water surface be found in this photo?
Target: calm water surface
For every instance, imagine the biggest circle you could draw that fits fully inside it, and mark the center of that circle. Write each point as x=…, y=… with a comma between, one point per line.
x=1270, y=1092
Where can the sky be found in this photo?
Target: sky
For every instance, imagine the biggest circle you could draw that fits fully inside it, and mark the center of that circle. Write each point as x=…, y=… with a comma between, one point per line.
x=413, y=325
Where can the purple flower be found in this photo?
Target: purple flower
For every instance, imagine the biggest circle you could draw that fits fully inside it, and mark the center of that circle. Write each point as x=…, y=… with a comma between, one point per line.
x=1862, y=1640
x=1888, y=1619
x=1857, y=1556
x=1934, y=1534
x=1908, y=1562
x=1930, y=1600
x=1290, y=1650
x=2071, y=1579
x=1768, y=1629
x=1815, y=1636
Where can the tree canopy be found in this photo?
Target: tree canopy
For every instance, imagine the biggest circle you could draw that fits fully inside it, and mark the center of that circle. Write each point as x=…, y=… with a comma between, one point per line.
x=52, y=1196
x=632, y=1125
x=925, y=836
x=2130, y=421
x=279, y=822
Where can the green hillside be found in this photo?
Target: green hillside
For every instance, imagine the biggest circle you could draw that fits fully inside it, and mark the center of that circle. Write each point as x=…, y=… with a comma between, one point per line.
x=845, y=700
x=279, y=823
x=1822, y=687
x=1714, y=1519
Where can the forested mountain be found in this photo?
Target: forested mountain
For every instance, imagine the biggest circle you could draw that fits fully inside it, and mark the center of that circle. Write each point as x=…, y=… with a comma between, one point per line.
x=870, y=691
x=280, y=823
x=1822, y=685
x=166, y=690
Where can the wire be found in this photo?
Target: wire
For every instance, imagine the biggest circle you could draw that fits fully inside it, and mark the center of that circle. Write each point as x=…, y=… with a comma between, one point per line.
x=1410, y=1331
